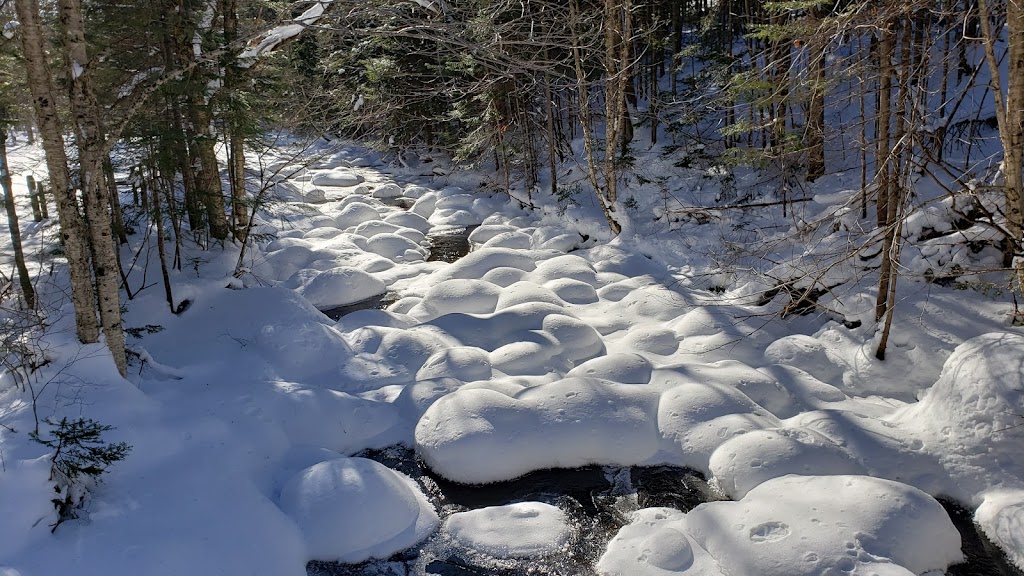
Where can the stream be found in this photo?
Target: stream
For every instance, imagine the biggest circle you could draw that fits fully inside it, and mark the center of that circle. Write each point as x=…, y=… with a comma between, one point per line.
x=598, y=501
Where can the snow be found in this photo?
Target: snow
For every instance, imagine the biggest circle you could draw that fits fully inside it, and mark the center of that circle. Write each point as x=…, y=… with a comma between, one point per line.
x=340, y=286
x=792, y=526
x=480, y=436
x=516, y=530
x=550, y=345
x=352, y=509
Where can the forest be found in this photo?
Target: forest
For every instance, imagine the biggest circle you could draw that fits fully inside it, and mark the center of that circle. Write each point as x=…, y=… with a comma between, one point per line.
x=560, y=287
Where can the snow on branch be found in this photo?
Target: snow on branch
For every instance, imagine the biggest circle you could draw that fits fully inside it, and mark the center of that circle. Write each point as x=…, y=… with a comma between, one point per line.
x=272, y=38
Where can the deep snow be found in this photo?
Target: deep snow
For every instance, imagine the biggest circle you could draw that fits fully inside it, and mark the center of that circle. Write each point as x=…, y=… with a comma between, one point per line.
x=549, y=345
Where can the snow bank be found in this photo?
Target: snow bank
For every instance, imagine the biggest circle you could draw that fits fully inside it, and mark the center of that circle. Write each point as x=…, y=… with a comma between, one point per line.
x=352, y=509
x=977, y=405
x=516, y=530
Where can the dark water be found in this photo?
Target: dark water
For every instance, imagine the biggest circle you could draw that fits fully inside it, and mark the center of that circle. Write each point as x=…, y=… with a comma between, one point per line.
x=983, y=557
x=379, y=302
x=597, y=500
x=399, y=202
x=449, y=245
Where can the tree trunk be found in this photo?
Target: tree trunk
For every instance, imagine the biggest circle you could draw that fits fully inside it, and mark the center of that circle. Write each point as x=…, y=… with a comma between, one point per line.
x=12, y=222
x=41, y=194
x=208, y=179
x=815, y=134
x=91, y=152
x=33, y=198
x=882, y=160
x=72, y=226
x=236, y=140
x=116, y=219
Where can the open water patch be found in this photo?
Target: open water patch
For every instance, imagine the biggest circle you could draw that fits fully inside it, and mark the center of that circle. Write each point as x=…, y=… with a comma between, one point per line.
x=983, y=558
x=378, y=302
x=596, y=499
x=449, y=244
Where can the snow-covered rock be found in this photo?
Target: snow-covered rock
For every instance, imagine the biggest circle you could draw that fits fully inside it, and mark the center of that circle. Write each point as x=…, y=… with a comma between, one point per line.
x=339, y=177
x=481, y=436
x=517, y=530
x=341, y=286
x=352, y=509
x=811, y=525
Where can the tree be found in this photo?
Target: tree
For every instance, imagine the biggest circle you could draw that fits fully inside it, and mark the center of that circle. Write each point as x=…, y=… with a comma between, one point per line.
x=72, y=225
x=91, y=142
x=1010, y=120
x=24, y=280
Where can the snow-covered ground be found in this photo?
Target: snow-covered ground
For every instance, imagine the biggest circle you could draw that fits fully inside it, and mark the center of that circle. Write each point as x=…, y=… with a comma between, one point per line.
x=550, y=345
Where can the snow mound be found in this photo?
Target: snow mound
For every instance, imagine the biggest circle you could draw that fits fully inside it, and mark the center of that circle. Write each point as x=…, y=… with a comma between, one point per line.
x=341, y=286
x=978, y=402
x=696, y=418
x=747, y=460
x=352, y=509
x=811, y=525
x=457, y=296
x=517, y=530
x=389, y=190
x=516, y=240
x=396, y=248
x=573, y=291
x=655, y=543
x=355, y=214
x=522, y=292
x=618, y=367
x=408, y=220
x=809, y=354
x=337, y=177
x=482, y=261
x=464, y=363
x=372, y=228
x=486, y=232
x=1001, y=517
x=479, y=436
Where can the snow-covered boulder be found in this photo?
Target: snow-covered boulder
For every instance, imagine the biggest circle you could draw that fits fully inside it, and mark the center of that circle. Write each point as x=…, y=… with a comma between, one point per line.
x=696, y=418
x=793, y=526
x=389, y=190
x=353, y=509
x=747, y=460
x=655, y=543
x=517, y=530
x=355, y=214
x=480, y=436
x=811, y=525
x=341, y=286
x=340, y=177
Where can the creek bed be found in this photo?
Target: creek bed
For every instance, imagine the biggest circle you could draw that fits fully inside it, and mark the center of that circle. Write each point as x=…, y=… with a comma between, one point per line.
x=597, y=501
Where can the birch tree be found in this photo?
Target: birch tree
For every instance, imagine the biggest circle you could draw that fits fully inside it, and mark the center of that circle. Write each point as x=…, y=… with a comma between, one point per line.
x=72, y=225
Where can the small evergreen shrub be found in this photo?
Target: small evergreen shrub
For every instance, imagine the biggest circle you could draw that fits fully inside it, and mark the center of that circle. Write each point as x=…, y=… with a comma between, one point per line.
x=80, y=457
